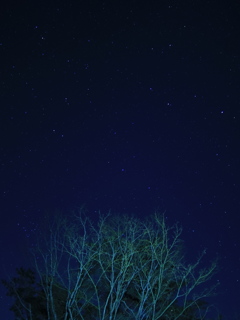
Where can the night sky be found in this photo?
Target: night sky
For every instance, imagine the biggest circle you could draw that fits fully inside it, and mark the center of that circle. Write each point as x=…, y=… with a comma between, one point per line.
x=128, y=106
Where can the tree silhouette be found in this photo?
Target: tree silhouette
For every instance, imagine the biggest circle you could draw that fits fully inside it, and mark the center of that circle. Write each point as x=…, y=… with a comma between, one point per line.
x=29, y=299
x=119, y=268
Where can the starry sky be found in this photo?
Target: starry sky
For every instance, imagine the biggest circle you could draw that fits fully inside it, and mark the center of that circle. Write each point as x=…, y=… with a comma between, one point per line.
x=129, y=106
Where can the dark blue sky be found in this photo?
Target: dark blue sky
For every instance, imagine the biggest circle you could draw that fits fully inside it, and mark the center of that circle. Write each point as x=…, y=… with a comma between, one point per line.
x=131, y=106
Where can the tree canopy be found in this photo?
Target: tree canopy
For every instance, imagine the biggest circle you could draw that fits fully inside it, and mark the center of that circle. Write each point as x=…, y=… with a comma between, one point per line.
x=118, y=268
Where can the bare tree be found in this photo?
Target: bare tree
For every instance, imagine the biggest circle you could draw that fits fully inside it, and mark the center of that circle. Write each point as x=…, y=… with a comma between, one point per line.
x=120, y=268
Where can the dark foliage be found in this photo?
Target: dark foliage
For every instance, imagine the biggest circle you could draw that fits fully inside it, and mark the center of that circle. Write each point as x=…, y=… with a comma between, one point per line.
x=27, y=294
